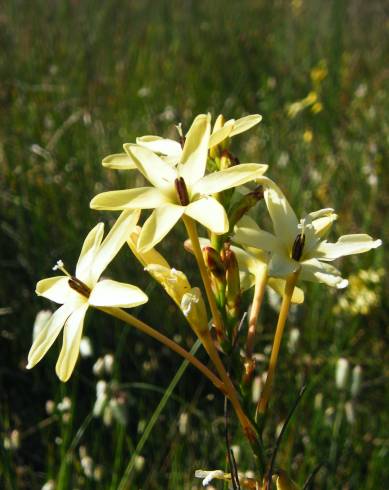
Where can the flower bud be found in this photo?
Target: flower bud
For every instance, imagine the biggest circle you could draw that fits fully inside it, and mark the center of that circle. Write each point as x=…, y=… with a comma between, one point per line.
x=244, y=205
x=214, y=262
x=193, y=308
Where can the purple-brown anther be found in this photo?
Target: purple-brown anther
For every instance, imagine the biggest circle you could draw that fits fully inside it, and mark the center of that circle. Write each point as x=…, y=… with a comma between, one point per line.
x=298, y=247
x=182, y=191
x=79, y=286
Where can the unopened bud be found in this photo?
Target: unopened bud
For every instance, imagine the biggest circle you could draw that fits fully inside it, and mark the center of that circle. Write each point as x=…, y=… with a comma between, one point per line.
x=342, y=370
x=244, y=205
x=193, y=307
x=233, y=283
x=256, y=389
x=214, y=262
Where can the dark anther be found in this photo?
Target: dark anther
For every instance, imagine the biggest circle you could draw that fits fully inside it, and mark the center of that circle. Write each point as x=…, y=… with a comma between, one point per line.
x=79, y=286
x=182, y=140
x=298, y=247
x=182, y=191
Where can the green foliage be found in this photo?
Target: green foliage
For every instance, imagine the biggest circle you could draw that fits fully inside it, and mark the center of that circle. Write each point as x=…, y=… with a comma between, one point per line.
x=80, y=78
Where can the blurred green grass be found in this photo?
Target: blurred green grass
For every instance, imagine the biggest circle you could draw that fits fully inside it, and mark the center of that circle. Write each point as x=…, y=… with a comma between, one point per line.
x=77, y=79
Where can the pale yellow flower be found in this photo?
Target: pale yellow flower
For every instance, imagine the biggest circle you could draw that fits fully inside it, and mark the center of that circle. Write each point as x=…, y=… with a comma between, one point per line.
x=179, y=190
x=300, y=246
x=76, y=293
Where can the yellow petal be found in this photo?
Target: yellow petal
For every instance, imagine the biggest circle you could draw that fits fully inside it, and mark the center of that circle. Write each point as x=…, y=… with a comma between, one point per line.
x=193, y=307
x=210, y=213
x=316, y=271
x=159, y=173
x=141, y=197
x=228, y=178
x=114, y=241
x=145, y=258
x=160, y=145
x=113, y=293
x=71, y=343
x=283, y=217
x=279, y=287
x=89, y=249
x=245, y=123
x=347, y=245
x=221, y=134
x=119, y=161
x=48, y=334
x=195, y=151
x=248, y=233
x=55, y=289
x=158, y=225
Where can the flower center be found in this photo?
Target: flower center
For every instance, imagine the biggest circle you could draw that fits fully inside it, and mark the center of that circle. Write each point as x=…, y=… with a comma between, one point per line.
x=182, y=191
x=73, y=282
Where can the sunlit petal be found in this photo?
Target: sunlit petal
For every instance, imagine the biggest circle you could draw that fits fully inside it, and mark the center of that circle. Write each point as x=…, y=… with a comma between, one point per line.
x=174, y=282
x=160, y=145
x=140, y=197
x=119, y=161
x=48, y=334
x=71, y=343
x=248, y=233
x=347, y=245
x=316, y=271
x=221, y=134
x=283, y=217
x=114, y=241
x=158, y=225
x=245, y=123
x=88, y=252
x=230, y=177
x=210, y=213
x=113, y=293
x=159, y=173
x=195, y=151
x=55, y=288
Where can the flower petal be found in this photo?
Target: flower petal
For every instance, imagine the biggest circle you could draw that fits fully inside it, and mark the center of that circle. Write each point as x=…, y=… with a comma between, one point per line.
x=283, y=217
x=160, y=145
x=55, y=288
x=145, y=258
x=114, y=241
x=159, y=173
x=195, y=152
x=48, y=334
x=347, y=245
x=221, y=134
x=281, y=266
x=248, y=233
x=89, y=249
x=279, y=287
x=316, y=271
x=114, y=293
x=158, y=225
x=119, y=161
x=210, y=213
x=71, y=343
x=141, y=197
x=245, y=123
x=230, y=177
x=174, y=282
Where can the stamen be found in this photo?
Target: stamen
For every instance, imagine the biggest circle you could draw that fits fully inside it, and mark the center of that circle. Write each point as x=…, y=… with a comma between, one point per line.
x=60, y=266
x=79, y=286
x=180, y=135
x=182, y=191
x=298, y=246
x=301, y=226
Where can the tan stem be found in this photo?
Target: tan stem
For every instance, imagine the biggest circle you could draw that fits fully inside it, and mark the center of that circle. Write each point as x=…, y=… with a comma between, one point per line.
x=259, y=291
x=207, y=338
x=286, y=301
x=143, y=327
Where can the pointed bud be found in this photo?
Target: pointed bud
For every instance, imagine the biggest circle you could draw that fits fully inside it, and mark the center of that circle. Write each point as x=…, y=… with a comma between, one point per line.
x=244, y=205
x=214, y=262
x=233, y=283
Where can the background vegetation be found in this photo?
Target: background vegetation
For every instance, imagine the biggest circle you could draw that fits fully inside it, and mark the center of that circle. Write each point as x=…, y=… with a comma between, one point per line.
x=79, y=78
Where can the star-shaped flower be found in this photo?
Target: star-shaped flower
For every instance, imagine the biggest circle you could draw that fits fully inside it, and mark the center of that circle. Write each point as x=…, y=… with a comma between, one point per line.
x=300, y=245
x=76, y=293
x=179, y=190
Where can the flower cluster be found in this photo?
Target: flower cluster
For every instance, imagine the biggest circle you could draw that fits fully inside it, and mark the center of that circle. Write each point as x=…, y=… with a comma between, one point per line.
x=194, y=180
